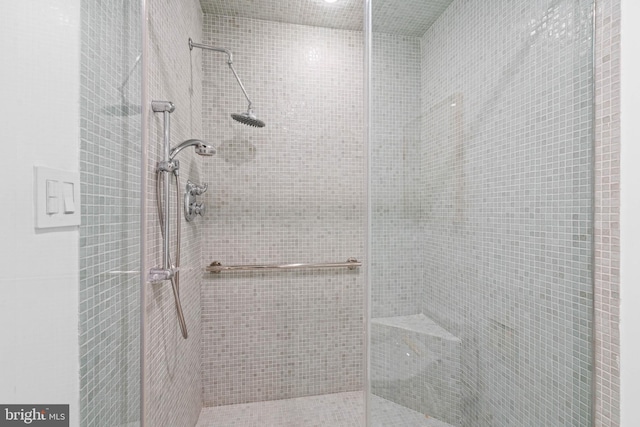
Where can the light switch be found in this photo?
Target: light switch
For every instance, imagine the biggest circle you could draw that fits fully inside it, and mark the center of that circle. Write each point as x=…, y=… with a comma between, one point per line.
x=57, y=198
x=68, y=196
x=52, y=197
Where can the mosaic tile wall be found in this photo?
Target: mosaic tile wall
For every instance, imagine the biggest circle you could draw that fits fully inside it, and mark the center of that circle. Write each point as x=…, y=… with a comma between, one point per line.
x=507, y=211
x=110, y=232
x=292, y=191
x=344, y=15
x=395, y=193
x=173, y=387
x=406, y=18
x=607, y=214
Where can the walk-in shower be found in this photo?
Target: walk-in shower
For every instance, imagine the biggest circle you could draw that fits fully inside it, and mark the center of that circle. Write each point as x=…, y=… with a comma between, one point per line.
x=479, y=245
x=415, y=250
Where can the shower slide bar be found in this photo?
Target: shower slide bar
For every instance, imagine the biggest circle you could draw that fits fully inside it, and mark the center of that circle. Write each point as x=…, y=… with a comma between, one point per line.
x=217, y=267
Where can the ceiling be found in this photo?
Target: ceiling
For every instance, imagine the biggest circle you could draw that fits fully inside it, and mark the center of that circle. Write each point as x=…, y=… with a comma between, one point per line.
x=402, y=17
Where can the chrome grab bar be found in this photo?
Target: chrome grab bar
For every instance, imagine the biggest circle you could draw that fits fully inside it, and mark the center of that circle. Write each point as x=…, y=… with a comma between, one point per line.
x=217, y=267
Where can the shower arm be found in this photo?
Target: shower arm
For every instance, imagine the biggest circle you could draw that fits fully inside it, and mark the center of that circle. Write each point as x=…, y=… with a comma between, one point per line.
x=229, y=62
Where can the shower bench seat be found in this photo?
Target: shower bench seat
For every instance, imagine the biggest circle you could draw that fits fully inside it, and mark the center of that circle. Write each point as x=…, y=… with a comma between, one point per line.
x=416, y=363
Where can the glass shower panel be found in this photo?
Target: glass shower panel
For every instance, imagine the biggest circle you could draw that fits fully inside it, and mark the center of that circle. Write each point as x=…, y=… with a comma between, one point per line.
x=481, y=213
x=110, y=159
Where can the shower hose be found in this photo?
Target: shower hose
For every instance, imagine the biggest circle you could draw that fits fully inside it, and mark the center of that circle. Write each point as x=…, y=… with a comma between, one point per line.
x=175, y=278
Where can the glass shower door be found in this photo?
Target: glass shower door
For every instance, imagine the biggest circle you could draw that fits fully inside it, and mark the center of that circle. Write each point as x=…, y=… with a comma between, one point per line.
x=110, y=170
x=70, y=304
x=481, y=213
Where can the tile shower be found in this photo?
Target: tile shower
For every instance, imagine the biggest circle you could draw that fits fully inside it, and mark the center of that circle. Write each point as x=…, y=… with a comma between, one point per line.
x=481, y=219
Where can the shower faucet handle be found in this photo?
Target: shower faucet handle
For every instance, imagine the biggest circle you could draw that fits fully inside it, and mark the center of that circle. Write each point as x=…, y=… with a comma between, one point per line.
x=192, y=207
x=195, y=189
x=199, y=208
x=200, y=189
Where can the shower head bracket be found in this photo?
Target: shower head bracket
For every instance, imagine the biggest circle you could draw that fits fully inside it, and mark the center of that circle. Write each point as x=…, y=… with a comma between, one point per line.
x=169, y=166
x=213, y=48
x=162, y=274
x=163, y=106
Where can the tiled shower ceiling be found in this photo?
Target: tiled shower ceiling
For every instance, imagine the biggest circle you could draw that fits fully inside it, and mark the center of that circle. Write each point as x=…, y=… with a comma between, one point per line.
x=404, y=17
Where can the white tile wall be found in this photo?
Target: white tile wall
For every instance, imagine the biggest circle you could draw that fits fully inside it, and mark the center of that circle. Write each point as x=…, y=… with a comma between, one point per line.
x=344, y=14
x=505, y=202
x=507, y=103
x=292, y=191
x=395, y=192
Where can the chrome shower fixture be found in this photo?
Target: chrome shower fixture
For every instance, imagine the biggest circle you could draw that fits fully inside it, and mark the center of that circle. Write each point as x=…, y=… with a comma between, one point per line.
x=168, y=271
x=247, y=118
x=201, y=148
x=205, y=150
x=166, y=167
x=191, y=206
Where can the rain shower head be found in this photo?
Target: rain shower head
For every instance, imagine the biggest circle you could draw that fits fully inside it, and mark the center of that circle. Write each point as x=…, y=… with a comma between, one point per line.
x=248, y=119
x=201, y=148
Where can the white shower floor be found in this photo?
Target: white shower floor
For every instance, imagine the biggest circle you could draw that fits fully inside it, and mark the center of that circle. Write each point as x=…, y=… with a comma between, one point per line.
x=329, y=410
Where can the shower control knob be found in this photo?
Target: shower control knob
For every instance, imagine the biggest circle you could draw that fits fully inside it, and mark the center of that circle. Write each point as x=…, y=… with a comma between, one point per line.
x=195, y=189
x=199, y=208
x=192, y=207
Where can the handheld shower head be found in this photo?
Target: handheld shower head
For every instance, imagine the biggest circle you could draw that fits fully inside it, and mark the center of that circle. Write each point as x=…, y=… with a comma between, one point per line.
x=205, y=150
x=248, y=119
x=202, y=148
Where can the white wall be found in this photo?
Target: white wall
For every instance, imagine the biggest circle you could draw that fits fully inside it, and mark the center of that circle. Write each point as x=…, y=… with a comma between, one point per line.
x=630, y=217
x=39, y=42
